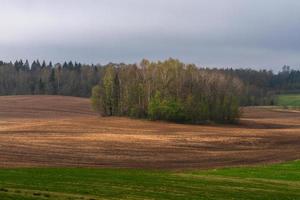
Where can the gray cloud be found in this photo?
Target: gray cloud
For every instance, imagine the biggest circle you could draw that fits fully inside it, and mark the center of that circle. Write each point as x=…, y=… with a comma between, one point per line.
x=248, y=33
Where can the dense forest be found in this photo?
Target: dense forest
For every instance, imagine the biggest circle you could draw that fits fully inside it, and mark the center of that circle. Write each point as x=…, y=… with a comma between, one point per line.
x=157, y=90
x=40, y=78
x=262, y=86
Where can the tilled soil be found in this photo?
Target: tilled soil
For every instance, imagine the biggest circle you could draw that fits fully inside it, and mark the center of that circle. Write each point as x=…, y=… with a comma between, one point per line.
x=55, y=131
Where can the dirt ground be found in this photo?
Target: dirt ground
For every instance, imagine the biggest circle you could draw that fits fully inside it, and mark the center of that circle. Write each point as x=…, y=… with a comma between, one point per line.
x=54, y=131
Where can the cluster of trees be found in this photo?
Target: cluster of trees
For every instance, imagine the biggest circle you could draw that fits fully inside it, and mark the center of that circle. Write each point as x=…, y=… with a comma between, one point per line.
x=168, y=90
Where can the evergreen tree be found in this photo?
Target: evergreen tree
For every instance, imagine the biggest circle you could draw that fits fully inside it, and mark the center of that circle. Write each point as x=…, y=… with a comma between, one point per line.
x=52, y=83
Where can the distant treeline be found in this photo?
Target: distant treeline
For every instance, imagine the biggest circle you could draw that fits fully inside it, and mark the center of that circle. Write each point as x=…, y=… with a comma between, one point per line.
x=69, y=79
x=262, y=86
x=151, y=88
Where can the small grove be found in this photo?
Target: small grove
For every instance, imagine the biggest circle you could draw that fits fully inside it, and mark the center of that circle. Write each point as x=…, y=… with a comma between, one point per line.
x=168, y=90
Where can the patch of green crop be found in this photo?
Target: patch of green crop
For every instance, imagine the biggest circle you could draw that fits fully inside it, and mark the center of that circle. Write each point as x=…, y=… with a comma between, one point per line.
x=291, y=100
x=281, y=181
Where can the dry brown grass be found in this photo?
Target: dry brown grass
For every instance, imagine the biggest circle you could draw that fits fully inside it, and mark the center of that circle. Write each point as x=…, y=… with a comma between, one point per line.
x=63, y=131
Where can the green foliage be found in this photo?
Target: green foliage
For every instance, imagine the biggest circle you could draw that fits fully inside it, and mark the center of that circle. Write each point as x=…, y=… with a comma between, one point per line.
x=154, y=109
x=105, y=96
x=108, y=86
x=165, y=109
x=280, y=181
x=172, y=110
x=97, y=101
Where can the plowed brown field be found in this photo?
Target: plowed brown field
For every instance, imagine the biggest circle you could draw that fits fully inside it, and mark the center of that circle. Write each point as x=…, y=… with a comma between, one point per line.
x=63, y=131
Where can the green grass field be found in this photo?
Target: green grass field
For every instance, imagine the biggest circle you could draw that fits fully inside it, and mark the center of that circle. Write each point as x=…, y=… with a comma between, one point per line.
x=292, y=100
x=281, y=181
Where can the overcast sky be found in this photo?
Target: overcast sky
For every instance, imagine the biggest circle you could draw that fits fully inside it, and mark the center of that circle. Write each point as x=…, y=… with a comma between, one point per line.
x=214, y=33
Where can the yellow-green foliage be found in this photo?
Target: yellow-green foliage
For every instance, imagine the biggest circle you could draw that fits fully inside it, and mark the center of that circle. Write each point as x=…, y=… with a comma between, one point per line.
x=168, y=90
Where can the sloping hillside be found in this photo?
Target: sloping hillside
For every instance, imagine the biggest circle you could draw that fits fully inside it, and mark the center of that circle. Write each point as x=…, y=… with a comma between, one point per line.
x=63, y=131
